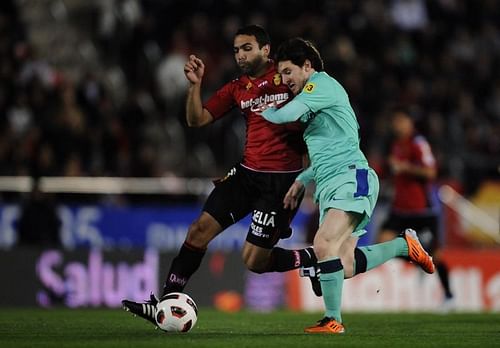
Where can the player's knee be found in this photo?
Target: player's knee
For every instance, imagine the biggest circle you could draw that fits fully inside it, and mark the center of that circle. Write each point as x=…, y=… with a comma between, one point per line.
x=255, y=267
x=321, y=249
x=199, y=234
x=324, y=248
x=255, y=264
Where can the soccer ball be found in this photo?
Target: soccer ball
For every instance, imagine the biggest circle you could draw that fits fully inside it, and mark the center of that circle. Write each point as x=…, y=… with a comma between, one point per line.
x=176, y=312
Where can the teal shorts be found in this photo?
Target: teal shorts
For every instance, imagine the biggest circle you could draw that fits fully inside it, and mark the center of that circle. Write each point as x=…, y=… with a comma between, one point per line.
x=355, y=190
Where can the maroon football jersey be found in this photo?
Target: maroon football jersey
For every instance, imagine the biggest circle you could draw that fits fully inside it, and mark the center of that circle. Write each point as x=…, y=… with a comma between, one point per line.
x=411, y=193
x=269, y=147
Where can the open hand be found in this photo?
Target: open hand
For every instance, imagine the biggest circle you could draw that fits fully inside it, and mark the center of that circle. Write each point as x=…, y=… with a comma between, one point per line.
x=292, y=196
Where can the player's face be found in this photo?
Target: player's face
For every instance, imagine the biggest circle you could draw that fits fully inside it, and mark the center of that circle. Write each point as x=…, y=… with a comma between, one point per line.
x=294, y=76
x=402, y=125
x=250, y=58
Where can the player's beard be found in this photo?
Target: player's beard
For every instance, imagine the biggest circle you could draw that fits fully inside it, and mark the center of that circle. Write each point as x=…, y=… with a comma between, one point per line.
x=252, y=68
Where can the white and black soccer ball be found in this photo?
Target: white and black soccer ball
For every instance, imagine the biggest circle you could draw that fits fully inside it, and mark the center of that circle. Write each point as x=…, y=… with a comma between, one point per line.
x=176, y=312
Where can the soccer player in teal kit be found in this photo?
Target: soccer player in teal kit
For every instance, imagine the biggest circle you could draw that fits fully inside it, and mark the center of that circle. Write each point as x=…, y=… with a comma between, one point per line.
x=346, y=187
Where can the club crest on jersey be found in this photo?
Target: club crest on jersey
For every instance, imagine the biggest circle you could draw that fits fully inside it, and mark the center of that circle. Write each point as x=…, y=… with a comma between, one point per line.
x=248, y=86
x=277, y=79
x=309, y=87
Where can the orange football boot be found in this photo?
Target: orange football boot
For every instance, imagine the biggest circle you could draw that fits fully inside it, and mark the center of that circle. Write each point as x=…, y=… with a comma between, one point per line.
x=326, y=326
x=416, y=252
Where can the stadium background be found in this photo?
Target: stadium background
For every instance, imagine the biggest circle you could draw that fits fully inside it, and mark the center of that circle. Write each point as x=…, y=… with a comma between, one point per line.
x=93, y=90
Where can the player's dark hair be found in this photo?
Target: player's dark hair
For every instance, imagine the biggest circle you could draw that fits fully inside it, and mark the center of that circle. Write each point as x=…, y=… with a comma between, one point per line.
x=297, y=50
x=260, y=34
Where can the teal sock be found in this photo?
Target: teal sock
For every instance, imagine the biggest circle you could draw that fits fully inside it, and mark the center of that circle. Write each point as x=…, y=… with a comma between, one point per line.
x=377, y=254
x=332, y=281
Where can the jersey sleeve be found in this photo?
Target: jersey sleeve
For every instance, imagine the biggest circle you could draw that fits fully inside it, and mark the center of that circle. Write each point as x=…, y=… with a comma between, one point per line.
x=306, y=176
x=291, y=112
x=221, y=102
x=423, y=152
x=319, y=93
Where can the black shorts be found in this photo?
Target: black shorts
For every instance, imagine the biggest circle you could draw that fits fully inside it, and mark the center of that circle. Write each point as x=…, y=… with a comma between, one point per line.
x=243, y=191
x=426, y=226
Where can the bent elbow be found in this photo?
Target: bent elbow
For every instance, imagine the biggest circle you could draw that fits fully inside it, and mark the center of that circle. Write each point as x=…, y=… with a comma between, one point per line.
x=195, y=120
x=195, y=123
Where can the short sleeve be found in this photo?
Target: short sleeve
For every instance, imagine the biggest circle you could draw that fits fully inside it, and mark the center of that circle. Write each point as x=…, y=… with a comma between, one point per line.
x=318, y=94
x=221, y=102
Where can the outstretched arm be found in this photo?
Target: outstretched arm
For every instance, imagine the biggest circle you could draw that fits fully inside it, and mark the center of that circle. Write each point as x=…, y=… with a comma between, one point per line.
x=289, y=113
x=196, y=115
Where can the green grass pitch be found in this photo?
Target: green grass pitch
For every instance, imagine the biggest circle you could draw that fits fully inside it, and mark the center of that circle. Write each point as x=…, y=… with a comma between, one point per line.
x=117, y=328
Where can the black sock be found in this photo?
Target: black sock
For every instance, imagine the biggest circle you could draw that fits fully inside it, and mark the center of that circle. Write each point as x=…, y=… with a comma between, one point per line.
x=283, y=260
x=444, y=278
x=182, y=268
x=360, y=261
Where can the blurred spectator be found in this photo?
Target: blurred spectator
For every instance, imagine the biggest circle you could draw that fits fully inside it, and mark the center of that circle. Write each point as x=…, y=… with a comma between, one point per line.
x=409, y=14
x=172, y=83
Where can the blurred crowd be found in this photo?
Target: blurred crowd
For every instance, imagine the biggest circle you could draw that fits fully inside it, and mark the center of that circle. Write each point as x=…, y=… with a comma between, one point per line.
x=125, y=115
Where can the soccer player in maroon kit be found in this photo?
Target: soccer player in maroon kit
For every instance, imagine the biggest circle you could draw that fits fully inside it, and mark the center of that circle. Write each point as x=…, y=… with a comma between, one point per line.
x=414, y=169
x=272, y=160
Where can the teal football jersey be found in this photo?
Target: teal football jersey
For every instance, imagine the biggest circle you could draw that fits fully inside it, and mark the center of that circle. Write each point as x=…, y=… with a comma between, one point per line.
x=331, y=134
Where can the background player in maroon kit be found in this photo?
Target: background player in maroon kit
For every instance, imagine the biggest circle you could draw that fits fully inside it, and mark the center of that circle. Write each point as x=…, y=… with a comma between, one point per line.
x=413, y=167
x=272, y=159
